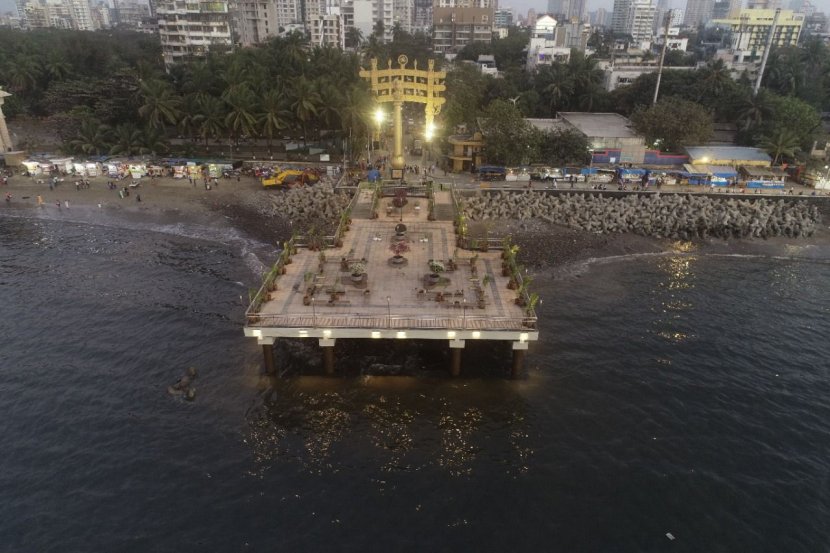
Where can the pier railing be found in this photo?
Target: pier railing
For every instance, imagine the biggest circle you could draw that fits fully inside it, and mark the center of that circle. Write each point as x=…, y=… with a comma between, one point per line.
x=269, y=281
x=322, y=319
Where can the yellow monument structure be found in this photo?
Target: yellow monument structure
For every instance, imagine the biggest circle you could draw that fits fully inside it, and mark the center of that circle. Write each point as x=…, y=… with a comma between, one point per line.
x=398, y=85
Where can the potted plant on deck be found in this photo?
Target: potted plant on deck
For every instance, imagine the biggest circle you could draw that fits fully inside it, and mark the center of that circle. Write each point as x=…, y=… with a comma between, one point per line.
x=358, y=270
x=398, y=248
x=435, y=268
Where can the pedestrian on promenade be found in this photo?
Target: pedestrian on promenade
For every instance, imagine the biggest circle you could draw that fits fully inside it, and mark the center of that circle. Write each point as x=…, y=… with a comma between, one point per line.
x=67, y=203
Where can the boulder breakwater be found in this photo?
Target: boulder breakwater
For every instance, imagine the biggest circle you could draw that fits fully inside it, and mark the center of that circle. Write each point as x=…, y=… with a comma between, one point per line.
x=317, y=206
x=673, y=216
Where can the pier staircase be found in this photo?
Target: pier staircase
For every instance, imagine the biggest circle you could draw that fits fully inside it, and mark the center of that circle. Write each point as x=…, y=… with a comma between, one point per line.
x=363, y=206
x=444, y=208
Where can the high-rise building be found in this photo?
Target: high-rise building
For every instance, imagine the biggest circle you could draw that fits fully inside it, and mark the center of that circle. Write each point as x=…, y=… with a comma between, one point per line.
x=531, y=18
x=641, y=20
x=503, y=17
x=698, y=12
x=422, y=15
x=61, y=14
x=190, y=30
x=763, y=4
x=619, y=17
x=750, y=29
x=454, y=25
x=598, y=18
x=254, y=21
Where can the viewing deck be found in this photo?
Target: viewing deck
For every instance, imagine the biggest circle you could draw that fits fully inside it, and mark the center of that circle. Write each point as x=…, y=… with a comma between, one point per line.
x=318, y=296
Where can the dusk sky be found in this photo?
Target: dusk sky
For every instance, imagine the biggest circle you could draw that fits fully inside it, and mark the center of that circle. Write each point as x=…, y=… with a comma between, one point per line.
x=521, y=6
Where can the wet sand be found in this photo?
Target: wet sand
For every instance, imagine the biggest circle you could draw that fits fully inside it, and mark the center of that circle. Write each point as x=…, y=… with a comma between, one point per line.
x=240, y=203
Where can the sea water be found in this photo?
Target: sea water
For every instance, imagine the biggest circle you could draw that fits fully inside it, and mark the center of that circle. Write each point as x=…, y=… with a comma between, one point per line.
x=675, y=402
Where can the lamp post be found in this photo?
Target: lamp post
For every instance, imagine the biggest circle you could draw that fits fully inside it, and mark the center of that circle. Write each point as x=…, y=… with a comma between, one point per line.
x=826, y=172
x=464, y=304
x=313, y=312
x=379, y=116
x=388, y=312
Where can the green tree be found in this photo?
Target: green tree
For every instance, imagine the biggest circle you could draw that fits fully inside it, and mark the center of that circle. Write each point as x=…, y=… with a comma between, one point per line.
x=211, y=118
x=128, y=140
x=274, y=116
x=562, y=147
x=160, y=104
x=673, y=122
x=797, y=116
x=241, y=117
x=91, y=138
x=305, y=103
x=509, y=139
x=354, y=37
x=154, y=142
x=780, y=142
x=560, y=88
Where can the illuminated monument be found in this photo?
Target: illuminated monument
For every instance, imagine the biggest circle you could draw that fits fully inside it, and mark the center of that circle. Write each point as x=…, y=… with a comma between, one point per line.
x=399, y=85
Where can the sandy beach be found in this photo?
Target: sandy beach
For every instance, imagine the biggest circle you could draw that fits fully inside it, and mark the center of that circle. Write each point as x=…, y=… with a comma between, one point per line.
x=242, y=204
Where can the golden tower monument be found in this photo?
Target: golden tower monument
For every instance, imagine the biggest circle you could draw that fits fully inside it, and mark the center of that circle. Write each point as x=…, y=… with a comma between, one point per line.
x=399, y=85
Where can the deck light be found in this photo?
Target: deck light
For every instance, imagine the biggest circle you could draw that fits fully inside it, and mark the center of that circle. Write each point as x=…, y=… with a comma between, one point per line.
x=476, y=334
x=375, y=334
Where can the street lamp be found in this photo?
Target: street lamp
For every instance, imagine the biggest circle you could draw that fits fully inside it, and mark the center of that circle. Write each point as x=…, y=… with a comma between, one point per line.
x=313, y=312
x=464, y=304
x=388, y=312
x=826, y=172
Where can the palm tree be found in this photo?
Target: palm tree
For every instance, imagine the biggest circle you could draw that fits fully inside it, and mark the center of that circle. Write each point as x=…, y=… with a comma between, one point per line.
x=715, y=78
x=780, y=142
x=305, y=102
x=354, y=37
x=57, y=67
x=241, y=117
x=23, y=73
x=128, y=140
x=154, y=142
x=373, y=48
x=560, y=87
x=274, y=116
x=92, y=137
x=211, y=118
x=188, y=124
x=161, y=104
x=752, y=111
x=331, y=104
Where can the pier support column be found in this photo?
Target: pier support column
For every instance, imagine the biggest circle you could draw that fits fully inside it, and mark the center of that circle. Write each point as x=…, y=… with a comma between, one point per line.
x=328, y=354
x=455, y=362
x=519, y=349
x=267, y=344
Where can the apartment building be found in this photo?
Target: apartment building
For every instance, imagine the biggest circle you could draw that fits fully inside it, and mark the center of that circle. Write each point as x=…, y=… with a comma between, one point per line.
x=457, y=23
x=189, y=29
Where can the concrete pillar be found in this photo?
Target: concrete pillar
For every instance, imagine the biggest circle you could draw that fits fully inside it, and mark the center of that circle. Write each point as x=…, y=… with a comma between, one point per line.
x=328, y=354
x=267, y=344
x=519, y=349
x=5, y=139
x=455, y=361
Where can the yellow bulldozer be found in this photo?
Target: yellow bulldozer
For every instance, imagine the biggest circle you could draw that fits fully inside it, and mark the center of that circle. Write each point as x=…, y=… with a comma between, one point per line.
x=292, y=177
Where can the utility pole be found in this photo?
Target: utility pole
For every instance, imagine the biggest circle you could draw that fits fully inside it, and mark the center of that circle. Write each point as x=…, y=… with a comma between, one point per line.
x=766, y=52
x=666, y=21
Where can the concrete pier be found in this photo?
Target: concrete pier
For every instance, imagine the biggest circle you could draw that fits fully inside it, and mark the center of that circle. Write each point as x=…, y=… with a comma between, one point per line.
x=267, y=344
x=436, y=292
x=328, y=355
x=456, y=347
